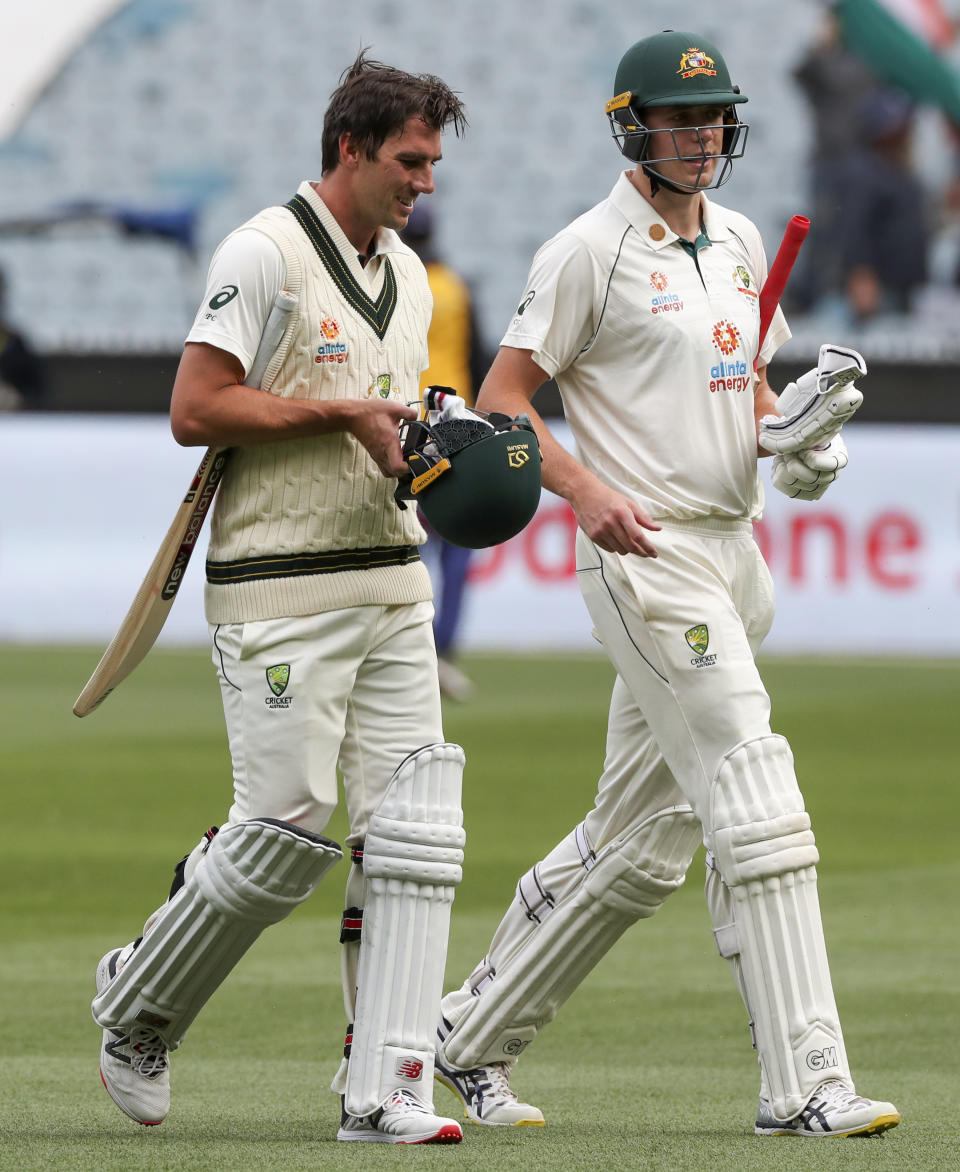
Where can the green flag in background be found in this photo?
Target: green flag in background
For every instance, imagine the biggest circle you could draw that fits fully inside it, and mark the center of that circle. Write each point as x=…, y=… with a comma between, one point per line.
x=898, y=56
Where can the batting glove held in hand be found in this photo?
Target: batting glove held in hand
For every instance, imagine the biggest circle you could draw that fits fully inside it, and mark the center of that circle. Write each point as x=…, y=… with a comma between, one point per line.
x=806, y=475
x=817, y=405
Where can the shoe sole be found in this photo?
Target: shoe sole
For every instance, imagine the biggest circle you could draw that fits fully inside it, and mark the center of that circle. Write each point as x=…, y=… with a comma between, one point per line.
x=446, y=1135
x=473, y=1117
x=875, y=1127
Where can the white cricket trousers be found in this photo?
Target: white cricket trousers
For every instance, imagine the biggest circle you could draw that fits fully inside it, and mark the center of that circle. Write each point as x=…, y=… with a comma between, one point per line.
x=353, y=690
x=678, y=706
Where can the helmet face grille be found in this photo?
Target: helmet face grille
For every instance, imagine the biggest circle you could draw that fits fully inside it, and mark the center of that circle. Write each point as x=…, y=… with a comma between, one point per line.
x=455, y=434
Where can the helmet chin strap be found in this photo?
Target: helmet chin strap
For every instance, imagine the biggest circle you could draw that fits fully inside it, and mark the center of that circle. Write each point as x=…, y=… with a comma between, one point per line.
x=657, y=181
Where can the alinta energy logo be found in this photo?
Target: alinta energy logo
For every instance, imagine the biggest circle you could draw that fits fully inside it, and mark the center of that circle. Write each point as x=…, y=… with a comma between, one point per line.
x=729, y=374
x=726, y=337
x=331, y=350
x=664, y=302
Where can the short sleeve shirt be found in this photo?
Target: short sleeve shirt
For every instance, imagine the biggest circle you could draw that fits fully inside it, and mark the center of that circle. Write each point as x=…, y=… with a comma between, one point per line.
x=246, y=273
x=653, y=351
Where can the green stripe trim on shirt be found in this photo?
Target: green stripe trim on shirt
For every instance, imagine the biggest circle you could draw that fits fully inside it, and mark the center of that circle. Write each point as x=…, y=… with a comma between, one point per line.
x=328, y=561
x=376, y=313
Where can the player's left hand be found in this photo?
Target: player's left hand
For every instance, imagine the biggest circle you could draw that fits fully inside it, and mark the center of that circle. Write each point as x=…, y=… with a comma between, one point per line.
x=806, y=475
x=816, y=406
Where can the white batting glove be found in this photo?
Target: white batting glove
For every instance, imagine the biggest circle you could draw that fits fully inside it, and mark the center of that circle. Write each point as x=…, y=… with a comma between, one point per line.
x=806, y=475
x=817, y=405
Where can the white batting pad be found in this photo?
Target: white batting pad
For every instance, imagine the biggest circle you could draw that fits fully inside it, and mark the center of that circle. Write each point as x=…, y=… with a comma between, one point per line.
x=253, y=874
x=817, y=405
x=412, y=858
x=770, y=926
x=550, y=940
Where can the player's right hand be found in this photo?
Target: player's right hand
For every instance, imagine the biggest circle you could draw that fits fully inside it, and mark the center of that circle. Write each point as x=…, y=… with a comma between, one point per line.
x=376, y=423
x=614, y=522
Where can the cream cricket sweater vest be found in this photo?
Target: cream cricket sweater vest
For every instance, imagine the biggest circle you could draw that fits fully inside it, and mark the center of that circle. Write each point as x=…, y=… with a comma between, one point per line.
x=309, y=525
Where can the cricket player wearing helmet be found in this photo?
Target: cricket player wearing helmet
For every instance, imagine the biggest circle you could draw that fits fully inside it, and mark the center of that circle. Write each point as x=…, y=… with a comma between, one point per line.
x=320, y=613
x=645, y=311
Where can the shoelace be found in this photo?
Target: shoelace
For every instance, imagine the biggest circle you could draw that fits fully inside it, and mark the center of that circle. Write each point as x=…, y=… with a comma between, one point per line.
x=497, y=1085
x=150, y=1053
x=836, y=1093
x=406, y=1101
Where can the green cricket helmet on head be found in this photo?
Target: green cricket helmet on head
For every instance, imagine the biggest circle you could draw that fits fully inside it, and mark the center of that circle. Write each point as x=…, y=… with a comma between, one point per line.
x=674, y=69
x=476, y=479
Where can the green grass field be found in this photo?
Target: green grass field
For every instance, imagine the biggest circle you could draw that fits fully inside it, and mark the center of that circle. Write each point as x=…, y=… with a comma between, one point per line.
x=648, y=1066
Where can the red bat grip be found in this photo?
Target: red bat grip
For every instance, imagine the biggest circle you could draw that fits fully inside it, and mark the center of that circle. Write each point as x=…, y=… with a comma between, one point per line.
x=776, y=281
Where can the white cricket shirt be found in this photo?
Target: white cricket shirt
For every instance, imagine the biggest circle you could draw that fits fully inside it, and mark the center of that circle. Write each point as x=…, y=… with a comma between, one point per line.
x=653, y=351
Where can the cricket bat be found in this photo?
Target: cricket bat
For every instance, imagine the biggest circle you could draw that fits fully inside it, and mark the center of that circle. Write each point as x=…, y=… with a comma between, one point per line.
x=148, y=612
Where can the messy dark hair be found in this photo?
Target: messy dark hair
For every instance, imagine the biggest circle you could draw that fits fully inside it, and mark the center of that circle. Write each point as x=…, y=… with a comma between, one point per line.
x=374, y=100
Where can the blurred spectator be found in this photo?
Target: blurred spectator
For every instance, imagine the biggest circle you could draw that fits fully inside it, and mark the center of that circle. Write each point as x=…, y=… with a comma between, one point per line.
x=456, y=360
x=833, y=81
x=869, y=239
x=884, y=225
x=22, y=374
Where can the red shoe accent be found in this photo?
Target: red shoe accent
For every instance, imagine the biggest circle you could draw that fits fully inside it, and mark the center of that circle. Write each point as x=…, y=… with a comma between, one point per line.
x=450, y=1133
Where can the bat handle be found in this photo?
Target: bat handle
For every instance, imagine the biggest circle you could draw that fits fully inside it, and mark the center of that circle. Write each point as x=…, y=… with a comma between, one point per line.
x=284, y=304
x=793, y=237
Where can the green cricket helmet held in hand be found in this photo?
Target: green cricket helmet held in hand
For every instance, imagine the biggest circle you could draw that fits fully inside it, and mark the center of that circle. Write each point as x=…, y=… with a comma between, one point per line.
x=475, y=478
x=674, y=69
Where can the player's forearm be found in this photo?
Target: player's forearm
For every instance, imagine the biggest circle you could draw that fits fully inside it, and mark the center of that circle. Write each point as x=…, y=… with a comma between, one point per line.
x=238, y=416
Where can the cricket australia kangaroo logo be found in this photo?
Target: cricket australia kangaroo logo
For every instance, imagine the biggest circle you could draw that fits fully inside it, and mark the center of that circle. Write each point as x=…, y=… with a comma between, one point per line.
x=278, y=677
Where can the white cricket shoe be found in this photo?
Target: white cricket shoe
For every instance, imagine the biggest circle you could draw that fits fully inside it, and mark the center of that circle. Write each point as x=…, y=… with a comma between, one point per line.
x=134, y=1064
x=401, y=1119
x=487, y=1096
x=835, y=1109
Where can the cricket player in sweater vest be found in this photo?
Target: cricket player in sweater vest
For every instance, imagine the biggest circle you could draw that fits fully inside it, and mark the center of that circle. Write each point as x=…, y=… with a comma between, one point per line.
x=320, y=614
x=645, y=311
